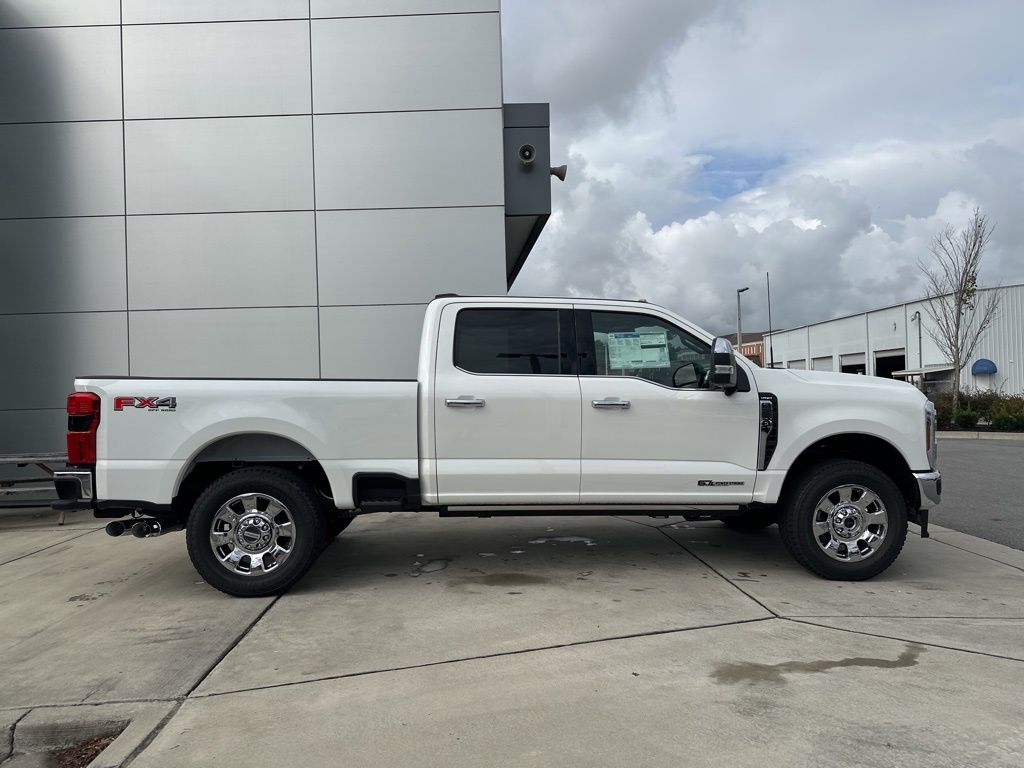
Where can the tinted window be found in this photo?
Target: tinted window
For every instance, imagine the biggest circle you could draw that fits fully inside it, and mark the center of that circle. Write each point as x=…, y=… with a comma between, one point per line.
x=518, y=341
x=627, y=344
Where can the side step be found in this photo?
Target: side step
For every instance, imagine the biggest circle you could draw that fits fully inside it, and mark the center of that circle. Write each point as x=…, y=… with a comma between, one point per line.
x=393, y=504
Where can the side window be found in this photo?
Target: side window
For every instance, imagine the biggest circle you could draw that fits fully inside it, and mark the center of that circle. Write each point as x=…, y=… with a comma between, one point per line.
x=509, y=341
x=629, y=344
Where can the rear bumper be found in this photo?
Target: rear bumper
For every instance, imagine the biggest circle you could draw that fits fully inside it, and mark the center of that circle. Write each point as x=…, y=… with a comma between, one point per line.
x=929, y=486
x=74, y=489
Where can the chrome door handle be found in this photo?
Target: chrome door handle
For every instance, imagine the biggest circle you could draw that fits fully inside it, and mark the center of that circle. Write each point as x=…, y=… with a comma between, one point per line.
x=610, y=403
x=464, y=402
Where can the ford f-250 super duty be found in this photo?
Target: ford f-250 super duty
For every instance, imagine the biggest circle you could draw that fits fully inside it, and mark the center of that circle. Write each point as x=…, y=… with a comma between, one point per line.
x=520, y=406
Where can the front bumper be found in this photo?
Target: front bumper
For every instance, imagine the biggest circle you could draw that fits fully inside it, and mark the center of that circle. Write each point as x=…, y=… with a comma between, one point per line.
x=929, y=486
x=74, y=489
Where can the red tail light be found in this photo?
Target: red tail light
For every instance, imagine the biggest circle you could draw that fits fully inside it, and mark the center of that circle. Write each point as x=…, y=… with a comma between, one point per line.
x=83, y=421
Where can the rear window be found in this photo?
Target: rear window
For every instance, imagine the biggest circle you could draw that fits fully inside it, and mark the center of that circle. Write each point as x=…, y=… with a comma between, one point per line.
x=508, y=341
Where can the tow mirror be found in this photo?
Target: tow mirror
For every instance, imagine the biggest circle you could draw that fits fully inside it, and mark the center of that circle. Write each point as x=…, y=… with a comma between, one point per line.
x=723, y=366
x=685, y=376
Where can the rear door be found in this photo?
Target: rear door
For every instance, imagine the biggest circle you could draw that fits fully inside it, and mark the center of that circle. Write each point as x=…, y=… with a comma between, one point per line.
x=652, y=430
x=507, y=405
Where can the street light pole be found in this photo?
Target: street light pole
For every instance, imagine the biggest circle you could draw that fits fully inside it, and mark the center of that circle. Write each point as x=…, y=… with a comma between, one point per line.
x=739, y=320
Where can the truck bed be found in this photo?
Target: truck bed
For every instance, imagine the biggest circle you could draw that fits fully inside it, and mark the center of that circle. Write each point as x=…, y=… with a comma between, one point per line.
x=152, y=430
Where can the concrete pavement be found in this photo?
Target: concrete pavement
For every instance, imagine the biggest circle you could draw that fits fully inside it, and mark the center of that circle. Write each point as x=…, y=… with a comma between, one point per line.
x=527, y=641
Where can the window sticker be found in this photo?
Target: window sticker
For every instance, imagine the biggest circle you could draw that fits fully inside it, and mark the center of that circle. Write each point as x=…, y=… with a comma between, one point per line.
x=638, y=349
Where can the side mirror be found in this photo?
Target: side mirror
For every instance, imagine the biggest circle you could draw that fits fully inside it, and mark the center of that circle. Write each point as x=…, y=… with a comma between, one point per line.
x=723, y=366
x=685, y=376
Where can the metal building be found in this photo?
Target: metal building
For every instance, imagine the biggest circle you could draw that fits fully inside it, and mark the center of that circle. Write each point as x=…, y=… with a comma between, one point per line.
x=895, y=342
x=269, y=188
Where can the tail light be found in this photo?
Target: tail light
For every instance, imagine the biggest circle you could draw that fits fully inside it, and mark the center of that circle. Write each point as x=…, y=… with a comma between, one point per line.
x=83, y=421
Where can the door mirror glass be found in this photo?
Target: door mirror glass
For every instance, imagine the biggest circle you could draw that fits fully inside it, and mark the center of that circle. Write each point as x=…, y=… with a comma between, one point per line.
x=723, y=366
x=686, y=375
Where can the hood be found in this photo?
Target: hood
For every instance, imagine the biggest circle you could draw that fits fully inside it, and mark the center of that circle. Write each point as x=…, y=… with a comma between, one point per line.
x=769, y=377
x=849, y=379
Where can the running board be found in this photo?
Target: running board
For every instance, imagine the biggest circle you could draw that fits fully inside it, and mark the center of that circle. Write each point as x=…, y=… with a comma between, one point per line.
x=596, y=510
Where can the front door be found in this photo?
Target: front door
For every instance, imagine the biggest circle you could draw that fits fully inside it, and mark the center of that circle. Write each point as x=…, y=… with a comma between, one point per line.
x=507, y=406
x=652, y=430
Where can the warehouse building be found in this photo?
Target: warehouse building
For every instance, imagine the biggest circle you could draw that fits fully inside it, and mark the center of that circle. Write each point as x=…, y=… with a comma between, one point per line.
x=270, y=188
x=896, y=342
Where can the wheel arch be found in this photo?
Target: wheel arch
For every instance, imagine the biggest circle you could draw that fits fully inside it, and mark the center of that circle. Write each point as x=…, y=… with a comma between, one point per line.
x=227, y=452
x=866, y=448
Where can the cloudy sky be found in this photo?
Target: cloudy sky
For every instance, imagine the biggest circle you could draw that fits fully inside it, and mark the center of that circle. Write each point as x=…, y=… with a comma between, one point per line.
x=710, y=142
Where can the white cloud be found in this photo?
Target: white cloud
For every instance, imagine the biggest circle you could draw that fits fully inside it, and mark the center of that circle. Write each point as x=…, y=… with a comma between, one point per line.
x=707, y=145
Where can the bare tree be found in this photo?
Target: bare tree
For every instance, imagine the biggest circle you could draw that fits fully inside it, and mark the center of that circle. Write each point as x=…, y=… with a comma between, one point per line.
x=959, y=315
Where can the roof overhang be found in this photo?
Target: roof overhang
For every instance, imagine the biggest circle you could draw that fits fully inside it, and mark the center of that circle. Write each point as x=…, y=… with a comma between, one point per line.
x=527, y=183
x=922, y=371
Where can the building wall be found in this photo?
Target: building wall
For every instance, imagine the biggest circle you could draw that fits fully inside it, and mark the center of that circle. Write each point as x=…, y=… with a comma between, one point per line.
x=871, y=335
x=270, y=188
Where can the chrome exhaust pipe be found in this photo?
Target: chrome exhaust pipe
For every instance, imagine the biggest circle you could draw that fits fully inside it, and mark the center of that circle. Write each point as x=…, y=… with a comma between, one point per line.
x=117, y=527
x=147, y=527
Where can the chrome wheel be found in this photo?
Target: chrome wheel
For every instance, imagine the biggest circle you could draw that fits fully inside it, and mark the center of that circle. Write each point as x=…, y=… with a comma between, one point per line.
x=252, y=534
x=850, y=523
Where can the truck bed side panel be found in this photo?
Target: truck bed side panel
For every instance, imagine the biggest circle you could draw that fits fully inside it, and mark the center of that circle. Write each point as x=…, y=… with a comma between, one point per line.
x=349, y=426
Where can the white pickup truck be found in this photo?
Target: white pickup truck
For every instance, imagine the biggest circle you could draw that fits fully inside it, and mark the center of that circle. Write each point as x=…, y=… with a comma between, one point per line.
x=520, y=406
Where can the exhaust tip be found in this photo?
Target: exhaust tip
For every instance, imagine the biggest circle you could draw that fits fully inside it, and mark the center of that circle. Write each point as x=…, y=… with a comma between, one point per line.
x=116, y=528
x=145, y=528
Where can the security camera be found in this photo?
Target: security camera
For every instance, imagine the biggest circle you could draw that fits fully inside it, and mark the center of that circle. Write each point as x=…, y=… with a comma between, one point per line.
x=527, y=154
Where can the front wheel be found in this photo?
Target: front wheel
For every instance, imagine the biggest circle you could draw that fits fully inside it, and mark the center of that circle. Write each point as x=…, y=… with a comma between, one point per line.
x=255, y=531
x=844, y=520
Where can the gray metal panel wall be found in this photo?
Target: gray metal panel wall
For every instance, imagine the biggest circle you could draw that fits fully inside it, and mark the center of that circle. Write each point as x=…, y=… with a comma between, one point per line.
x=265, y=191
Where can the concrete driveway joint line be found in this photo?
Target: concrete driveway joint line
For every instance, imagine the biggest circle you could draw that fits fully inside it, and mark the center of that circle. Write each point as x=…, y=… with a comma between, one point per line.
x=941, y=540
x=53, y=728
x=736, y=688
x=231, y=646
x=48, y=546
x=481, y=657
x=721, y=575
x=702, y=561
x=142, y=744
x=959, y=649
x=8, y=722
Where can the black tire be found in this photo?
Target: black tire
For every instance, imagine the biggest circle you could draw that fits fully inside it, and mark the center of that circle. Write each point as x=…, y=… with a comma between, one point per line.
x=307, y=519
x=796, y=519
x=753, y=520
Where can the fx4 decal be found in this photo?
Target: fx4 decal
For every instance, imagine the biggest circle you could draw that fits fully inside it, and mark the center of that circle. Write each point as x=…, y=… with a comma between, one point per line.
x=146, y=403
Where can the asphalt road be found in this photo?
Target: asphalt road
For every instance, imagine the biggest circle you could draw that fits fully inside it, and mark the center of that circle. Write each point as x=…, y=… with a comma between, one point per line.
x=983, y=489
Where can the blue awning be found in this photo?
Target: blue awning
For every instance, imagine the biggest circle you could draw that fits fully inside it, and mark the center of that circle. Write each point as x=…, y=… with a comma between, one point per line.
x=983, y=367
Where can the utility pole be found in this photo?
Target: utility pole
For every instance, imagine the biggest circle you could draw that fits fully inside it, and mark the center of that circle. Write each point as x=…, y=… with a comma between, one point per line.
x=771, y=339
x=739, y=319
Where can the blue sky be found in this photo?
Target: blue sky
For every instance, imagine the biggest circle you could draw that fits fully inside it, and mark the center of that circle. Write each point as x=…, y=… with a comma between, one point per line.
x=708, y=142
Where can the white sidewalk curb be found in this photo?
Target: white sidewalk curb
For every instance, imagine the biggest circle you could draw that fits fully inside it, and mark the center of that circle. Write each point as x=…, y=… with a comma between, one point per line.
x=981, y=435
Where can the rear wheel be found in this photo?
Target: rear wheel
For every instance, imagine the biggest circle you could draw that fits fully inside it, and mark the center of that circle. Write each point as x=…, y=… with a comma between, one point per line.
x=255, y=531
x=844, y=520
